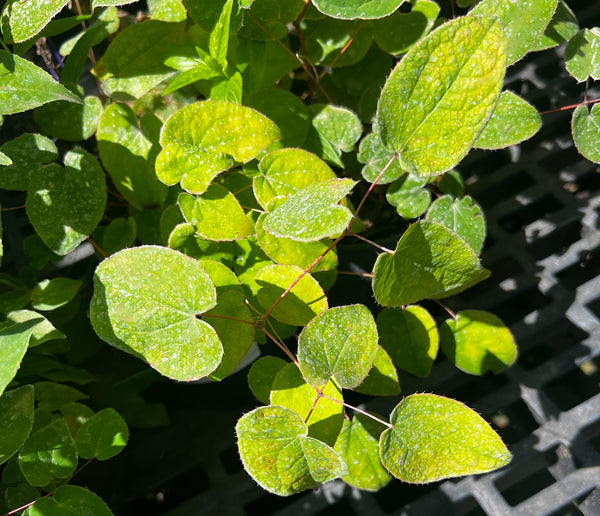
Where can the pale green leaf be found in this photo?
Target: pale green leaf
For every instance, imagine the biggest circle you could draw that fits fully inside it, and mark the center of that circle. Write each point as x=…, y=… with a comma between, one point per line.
x=410, y=337
x=16, y=420
x=43, y=330
x=14, y=340
x=352, y=9
x=313, y=213
x=582, y=55
x=278, y=454
x=228, y=89
x=513, y=121
x=358, y=445
x=323, y=416
x=339, y=343
x=430, y=261
x=28, y=152
x=24, y=85
x=66, y=204
x=134, y=309
x=219, y=36
x=434, y=438
x=409, y=196
x=585, y=126
x=463, y=216
x=102, y=436
x=477, y=342
x=204, y=139
x=437, y=100
x=305, y=300
x=23, y=20
x=216, y=214
x=261, y=376
x=167, y=10
x=72, y=501
x=523, y=22
x=375, y=157
x=562, y=28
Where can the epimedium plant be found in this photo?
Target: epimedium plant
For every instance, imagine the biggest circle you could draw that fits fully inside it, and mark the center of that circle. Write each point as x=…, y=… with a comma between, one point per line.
x=223, y=151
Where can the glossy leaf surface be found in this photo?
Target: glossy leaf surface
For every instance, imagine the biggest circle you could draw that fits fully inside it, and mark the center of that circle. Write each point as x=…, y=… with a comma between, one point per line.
x=14, y=340
x=16, y=420
x=71, y=501
x=22, y=20
x=585, y=126
x=28, y=152
x=434, y=438
x=582, y=55
x=352, y=9
x=375, y=156
x=102, y=436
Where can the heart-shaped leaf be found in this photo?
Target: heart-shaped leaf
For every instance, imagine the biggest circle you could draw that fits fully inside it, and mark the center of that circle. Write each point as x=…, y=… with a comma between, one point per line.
x=585, y=126
x=69, y=121
x=362, y=9
x=16, y=420
x=430, y=261
x=434, y=438
x=375, y=156
x=436, y=101
x=147, y=301
x=28, y=152
x=71, y=500
x=261, y=376
x=204, y=139
x=276, y=451
x=312, y=213
x=102, y=436
x=43, y=330
x=66, y=204
x=477, y=342
x=339, y=343
x=14, y=340
x=409, y=196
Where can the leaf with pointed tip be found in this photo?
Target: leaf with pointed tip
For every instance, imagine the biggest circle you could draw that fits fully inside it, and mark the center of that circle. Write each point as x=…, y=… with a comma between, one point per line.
x=562, y=28
x=435, y=437
x=23, y=20
x=523, y=22
x=16, y=420
x=430, y=261
x=290, y=390
x=278, y=454
x=70, y=500
x=410, y=337
x=102, y=436
x=313, y=213
x=513, y=121
x=585, y=126
x=382, y=379
x=48, y=454
x=358, y=445
x=128, y=148
x=261, y=376
x=477, y=342
x=305, y=300
x=409, y=196
x=65, y=205
x=203, y=139
x=134, y=309
x=28, y=152
x=436, y=101
x=339, y=343
x=43, y=330
x=361, y=9
x=375, y=157
x=24, y=85
x=463, y=216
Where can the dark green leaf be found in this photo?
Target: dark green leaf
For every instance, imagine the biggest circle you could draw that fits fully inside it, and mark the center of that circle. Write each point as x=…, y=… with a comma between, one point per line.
x=102, y=436
x=261, y=376
x=50, y=294
x=16, y=420
x=382, y=379
x=585, y=126
x=28, y=152
x=14, y=340
x=70, y=501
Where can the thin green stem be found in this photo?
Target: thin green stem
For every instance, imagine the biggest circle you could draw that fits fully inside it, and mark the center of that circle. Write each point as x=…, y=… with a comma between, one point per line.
x=360, y=411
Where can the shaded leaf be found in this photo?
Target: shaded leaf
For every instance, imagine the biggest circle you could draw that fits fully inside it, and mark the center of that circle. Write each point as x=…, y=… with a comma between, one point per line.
x=585, y=126
x=16, y=420
x=382, y=379
x=261, y=376
x=68, y=121
x=376, y=156
x=14, y=340
x=50, y=294
x=102, y=436
x=562, y=28
x=28, y=152
x=70, y=500
x=43, y=330
x=409, y=196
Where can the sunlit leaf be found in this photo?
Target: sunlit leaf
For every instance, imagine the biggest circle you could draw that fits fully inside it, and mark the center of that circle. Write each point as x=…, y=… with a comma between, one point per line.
x=16, y=420
x=71, y=500
x=382, y=379
x=362, y=9
x=28, y=152
x=102, y=436
x=22, y=20
x=585, y=126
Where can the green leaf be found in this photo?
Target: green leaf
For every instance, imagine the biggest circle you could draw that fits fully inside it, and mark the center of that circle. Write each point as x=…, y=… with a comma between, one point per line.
x=52, y=395
x=68, y=121
x=409, y=196
x=523, y=22
x=76, y=414
x=216, y=214
x=286, y=172
x=23, y=20
x=50, y=294
x=48, y=454
x=72, y=501
x=313, y=213
x=323, y=416
x=290, y=252
x=585, y=126
x=477, y=342
x=434, y=438
x=410, y=337
x=132, y=64
x=262, y=21
x=375, y=156
x=43, y=330
x=352, y=9
x=119, y=234
x=167, y=10
x=358, y=445
x=222, y=133
x=14, y=340
x=28, y=152
x=334, y=130
x=562, y=28
x=305, y=300
x=134, y=309
x=106, y=3
x=206, y=13
x=382, y=379
x=513, y=121
x=463, y=216
x=102, y=436
x=219, y=36
x=128, y=148
x=25, y=86
x=194, y=67
x=228, y=89
x=277, y=453
x=65, y=204
x=400, y=31
x=430, y=261
x=285, y=109
x=456, y=91
x=184, y=238
x=339, y=343
x=582, y=55
x=16, y=420
x=261, y=376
